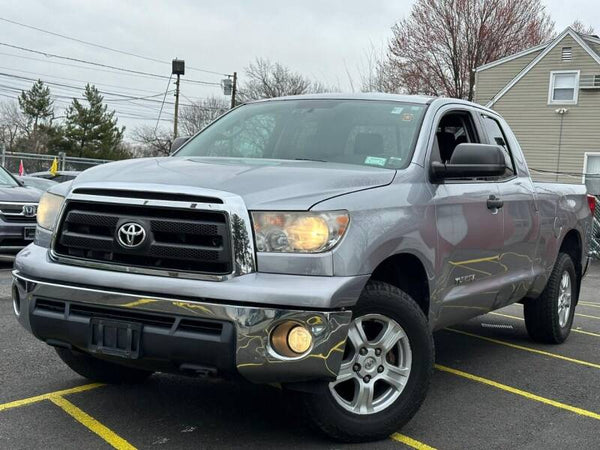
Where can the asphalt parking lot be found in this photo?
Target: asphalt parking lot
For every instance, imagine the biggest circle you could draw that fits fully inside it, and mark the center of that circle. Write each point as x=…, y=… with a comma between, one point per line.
x=493, y=388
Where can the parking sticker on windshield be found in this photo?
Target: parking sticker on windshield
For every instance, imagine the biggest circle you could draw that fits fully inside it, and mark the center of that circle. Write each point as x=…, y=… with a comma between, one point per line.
x=397, y=110
x=375, y=161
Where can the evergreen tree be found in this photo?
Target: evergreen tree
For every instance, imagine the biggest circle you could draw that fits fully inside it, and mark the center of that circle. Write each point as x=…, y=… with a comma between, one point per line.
x=90, y=130
x=37, y=105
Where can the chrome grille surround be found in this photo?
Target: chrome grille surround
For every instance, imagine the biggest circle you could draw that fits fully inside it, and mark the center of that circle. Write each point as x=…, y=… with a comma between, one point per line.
x=233, y=206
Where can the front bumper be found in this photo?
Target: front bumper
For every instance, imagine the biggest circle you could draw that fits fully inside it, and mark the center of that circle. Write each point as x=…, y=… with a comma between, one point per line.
x=12, y=236
x=59, y=313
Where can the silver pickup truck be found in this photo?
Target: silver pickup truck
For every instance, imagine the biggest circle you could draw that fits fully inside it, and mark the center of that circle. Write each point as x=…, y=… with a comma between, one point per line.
x=312, y=241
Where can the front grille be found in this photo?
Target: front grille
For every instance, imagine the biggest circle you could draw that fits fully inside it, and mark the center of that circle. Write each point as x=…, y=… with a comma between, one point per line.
x=13, y=212
x=176, y=239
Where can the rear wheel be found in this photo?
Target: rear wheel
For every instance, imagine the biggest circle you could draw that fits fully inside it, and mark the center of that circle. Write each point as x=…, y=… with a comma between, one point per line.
x=385, y=372
x=549, y=317
x=99, y=370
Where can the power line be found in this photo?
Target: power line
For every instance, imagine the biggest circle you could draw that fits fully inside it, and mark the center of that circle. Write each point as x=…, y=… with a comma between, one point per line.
x=76, y=66
x=163, y=104
x=83, y=61
x=126, y=97
x=123, y=52
x=127, y=115
x=74, y=79
x=571, y=174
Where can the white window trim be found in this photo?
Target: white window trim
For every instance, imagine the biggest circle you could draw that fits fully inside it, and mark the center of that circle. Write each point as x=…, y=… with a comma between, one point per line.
x=551, y=88
x=585, y=163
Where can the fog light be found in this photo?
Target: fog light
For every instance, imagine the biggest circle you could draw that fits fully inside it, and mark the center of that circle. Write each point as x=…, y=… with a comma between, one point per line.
x=16, y=301
x=299, y=339
x=291, y=339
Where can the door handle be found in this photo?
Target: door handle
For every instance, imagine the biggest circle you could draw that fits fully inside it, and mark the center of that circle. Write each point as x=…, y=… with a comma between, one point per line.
x=494, y=202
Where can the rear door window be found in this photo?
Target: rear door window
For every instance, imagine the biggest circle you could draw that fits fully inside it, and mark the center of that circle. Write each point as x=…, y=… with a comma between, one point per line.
x=496, y=136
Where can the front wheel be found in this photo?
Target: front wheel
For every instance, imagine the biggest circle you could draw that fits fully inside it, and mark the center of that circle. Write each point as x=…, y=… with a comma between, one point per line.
x=385, y=371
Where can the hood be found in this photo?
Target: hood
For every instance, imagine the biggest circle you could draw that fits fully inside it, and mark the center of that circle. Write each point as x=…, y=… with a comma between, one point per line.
x=19, y=194
x=262, y=183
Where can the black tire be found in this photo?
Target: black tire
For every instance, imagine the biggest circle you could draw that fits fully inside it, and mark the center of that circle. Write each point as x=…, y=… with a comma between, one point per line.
x=542, y=314
x=102, y=371
x=342, y=425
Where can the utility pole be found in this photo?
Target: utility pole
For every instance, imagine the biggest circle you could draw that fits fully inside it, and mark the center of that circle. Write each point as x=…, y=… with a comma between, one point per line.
x=176, y=107
x=233, y=90
x=230, y=87
x=178, y=68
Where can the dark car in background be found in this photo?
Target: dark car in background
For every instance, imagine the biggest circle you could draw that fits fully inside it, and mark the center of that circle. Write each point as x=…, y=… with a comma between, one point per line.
x=18, y=211
x=60, y=177
x=40, y=184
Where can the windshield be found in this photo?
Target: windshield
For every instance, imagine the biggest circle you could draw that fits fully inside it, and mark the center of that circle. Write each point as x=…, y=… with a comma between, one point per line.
x=375, y=133
x=6, y=179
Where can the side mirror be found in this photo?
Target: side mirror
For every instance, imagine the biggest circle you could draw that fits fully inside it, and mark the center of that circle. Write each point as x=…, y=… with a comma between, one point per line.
x=471, y=161
x=178, y=142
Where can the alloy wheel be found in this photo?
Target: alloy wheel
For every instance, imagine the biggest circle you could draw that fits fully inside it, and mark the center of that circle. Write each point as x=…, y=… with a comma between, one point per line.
x=376, y=365
x=564, y=299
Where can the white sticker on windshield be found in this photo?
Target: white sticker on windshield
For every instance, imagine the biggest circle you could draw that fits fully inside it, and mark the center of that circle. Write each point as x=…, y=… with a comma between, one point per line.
x=375, y=161
x=397, y=110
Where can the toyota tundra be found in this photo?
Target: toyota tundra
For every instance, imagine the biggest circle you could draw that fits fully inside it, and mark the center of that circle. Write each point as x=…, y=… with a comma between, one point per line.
x=316, y=242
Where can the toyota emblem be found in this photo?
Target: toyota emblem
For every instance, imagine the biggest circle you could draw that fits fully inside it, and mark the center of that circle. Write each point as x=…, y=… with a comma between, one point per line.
x=131, y=235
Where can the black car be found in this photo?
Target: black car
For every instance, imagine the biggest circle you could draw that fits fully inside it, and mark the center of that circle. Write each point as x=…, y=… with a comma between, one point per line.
x=60, y=177
x=18, y=210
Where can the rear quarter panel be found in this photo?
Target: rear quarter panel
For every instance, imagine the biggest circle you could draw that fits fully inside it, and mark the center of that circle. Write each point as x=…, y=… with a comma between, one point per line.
x=562, y=208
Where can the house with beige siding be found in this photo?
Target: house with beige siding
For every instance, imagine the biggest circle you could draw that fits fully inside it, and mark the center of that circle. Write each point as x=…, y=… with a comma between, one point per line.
x=550, y=96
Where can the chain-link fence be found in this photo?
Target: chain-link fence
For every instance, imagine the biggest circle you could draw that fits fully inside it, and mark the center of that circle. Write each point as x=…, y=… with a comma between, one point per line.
x=33, y=162
x=595, y=241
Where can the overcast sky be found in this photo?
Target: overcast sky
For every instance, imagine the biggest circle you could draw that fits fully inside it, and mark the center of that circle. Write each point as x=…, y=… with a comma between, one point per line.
x=326, y=40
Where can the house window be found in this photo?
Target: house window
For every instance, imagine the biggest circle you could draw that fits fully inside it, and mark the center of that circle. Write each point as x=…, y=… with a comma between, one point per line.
x=564, y=87
x=591, y=172
x=567, y=53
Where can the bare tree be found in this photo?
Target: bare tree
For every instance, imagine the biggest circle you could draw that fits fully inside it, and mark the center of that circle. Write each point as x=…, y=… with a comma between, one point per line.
x=152, y=142
x=377, y=73
x=435, y=49
x=13, y=124
x=267, y=80
x=198, y=115
x=579, y=26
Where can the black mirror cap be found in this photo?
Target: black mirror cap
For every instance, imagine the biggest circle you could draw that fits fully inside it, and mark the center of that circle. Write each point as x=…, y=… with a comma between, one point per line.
x=178, y=142
x=471, y=161
x=477, y=154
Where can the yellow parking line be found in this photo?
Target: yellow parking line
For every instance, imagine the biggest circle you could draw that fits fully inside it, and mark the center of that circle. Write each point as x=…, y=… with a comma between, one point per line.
x=92, y=424
x=512, y=390
x=593, y=305
x=589, y=333
x=506, y=315
x=39, y=398
x=411, y=442
x=527, y=349
x=587, y=316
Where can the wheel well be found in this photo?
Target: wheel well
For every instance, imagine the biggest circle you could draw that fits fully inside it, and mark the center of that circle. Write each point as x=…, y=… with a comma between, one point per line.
x=571, y=245
x=406, y=272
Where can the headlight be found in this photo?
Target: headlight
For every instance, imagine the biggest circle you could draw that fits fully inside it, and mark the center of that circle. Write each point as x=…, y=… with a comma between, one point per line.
x=48, y=210
x=298, y=232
